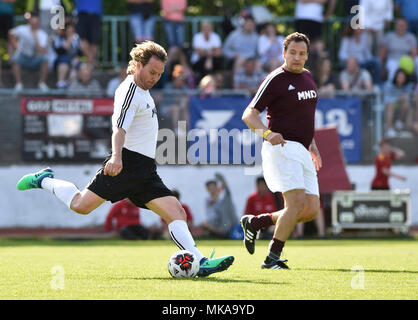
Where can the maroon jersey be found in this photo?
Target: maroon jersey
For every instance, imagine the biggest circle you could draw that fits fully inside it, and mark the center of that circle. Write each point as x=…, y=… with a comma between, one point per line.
x=290, y=99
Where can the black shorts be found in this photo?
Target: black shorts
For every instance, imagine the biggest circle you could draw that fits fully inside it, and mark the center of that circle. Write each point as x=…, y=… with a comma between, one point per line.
x=88, y=27
x=138, y=181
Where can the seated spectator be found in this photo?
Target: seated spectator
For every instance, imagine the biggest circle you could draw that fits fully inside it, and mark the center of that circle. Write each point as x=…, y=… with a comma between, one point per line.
x=353, y=78
x=114, y=83
x=67, y=47
x=354, y=44
x=249, y=78
x=30, y=44
x=220, y=210
x=395, y=45
x=262, y=201
x=123, y=218
x=176, y=56
x=189, y=216
x=176, y=104
x=270, y=48
x=409, y=10
x=141, y=19
x=207, y=86
x=85, y=85
x=207, y=51
x=173, y=12
x=397, y=97
x=383, y=162
x=241, y=44
x=325, y=79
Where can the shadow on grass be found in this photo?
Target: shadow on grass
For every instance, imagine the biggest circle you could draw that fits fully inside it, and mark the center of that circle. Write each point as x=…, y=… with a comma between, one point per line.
x=208, y=279
x=365, y=270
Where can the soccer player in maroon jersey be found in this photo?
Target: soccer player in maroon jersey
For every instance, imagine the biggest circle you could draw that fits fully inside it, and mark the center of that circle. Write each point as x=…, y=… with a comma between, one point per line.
x=290, y=157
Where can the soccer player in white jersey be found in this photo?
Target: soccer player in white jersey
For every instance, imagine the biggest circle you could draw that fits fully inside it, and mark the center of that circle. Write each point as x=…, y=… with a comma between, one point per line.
x=130, y=170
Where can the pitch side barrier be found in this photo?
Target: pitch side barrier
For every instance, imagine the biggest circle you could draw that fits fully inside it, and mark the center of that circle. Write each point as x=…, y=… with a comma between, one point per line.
x=196, y=127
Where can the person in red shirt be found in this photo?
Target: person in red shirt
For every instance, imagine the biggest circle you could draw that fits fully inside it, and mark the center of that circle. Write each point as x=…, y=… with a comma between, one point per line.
x=124, y=218
x=263, y=201
x=383, y=162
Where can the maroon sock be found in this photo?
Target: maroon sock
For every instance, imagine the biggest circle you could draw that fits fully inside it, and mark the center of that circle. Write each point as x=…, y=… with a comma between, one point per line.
x=275, y=248
x=262, y=221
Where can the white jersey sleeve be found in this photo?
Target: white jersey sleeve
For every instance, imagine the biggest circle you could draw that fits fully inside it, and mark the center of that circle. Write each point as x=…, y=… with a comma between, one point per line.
x=124, y=109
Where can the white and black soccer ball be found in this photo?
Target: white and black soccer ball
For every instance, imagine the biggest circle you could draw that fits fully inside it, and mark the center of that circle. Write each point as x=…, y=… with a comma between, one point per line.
x=183, y=264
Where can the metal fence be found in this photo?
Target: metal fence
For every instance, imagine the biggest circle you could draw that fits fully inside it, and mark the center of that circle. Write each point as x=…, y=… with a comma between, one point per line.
x=117, y=38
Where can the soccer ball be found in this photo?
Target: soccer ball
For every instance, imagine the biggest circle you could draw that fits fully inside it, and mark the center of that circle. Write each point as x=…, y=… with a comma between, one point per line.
x=183, y=264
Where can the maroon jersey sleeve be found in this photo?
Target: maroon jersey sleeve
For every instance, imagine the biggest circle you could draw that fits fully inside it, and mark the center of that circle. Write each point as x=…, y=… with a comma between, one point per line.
x=268, y=91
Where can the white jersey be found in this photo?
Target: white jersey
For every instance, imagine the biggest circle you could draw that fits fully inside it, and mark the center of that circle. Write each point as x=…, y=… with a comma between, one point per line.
x=134, y=111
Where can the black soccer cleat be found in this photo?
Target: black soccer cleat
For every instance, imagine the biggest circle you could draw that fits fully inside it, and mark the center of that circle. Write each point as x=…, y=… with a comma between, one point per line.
x=274, y=264
x=249, y=233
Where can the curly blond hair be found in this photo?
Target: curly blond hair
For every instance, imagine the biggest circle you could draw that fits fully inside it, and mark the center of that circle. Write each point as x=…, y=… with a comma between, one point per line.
x=142, y=52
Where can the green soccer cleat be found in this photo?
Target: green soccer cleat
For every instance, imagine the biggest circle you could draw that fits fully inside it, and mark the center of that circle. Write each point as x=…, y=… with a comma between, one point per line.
x=209, y=266
x=34, y=180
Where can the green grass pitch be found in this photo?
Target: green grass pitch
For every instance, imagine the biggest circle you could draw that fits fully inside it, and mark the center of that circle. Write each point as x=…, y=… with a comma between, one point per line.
x=117, y=269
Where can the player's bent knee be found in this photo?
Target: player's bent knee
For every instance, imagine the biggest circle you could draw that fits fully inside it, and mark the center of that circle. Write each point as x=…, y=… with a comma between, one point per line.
x=80, y=208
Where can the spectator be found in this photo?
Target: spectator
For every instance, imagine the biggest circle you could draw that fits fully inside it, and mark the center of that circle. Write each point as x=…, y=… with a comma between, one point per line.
x=207, y=51
x=114, y=83
x=176, y=105
x=124, y=218
x=173, y=12
x=67, y=47
x=241, y=44
x=249, y=78
x=30, y=44
x=176, y=56
x=353, y=78
x=220, y=210
x=43, y=9
x=409, y=10
x=354, y=44
x=6, y=23
x=189, y=218
x=207, y=86
x=141, y=19
x=261, y=201
x=383, y=162
x=395, y=45
x=309, y=17
x=85, y=85
x=325, y=79
x=89, y=14
x=397, y=97
x=270, y=48
x=377, y=16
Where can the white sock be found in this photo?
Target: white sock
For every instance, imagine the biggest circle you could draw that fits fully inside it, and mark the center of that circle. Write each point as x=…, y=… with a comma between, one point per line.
x=63, y=190
x=182, y=237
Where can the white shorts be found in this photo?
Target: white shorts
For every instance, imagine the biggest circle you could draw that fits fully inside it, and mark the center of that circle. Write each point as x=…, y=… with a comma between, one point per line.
x=289, y=167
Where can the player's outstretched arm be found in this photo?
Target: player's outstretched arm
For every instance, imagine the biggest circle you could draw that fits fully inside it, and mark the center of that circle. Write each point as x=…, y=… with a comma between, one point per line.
x=114, y=166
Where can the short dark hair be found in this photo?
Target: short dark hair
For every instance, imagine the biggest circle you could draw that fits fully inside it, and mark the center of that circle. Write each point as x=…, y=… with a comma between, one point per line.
x=296, y=37
x=209, y=182
x=260, y=179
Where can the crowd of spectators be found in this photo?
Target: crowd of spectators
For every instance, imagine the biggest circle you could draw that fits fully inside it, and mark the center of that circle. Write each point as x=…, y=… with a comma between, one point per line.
x=230, y=56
